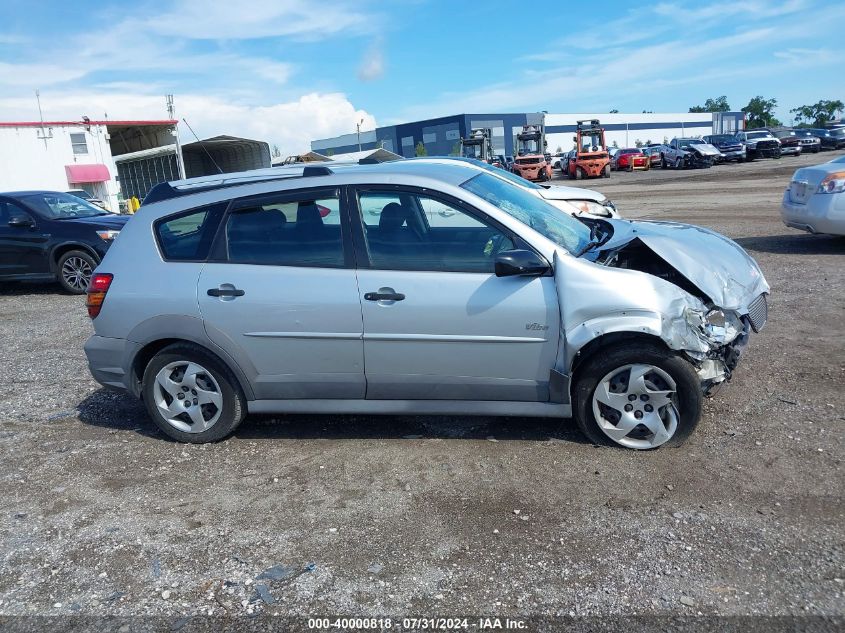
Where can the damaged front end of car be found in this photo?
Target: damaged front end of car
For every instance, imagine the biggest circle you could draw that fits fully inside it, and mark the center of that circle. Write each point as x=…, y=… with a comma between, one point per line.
x=701, y=294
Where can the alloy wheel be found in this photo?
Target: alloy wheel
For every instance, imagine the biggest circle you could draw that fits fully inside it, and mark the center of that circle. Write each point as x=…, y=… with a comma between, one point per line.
x=187, y=396
x=77, y=273
x=636, y=406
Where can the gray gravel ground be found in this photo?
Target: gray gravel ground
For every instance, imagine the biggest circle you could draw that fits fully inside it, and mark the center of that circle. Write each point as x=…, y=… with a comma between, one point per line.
x=427, y=516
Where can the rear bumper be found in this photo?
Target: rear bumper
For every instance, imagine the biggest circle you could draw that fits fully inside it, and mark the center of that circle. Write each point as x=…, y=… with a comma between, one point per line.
x=822, y=214
x=109, y=361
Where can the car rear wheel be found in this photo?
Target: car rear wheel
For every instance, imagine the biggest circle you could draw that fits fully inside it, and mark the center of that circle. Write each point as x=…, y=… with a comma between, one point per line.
x=75, y=269
x=679, y=163
x=191, y=395
x=639, y=396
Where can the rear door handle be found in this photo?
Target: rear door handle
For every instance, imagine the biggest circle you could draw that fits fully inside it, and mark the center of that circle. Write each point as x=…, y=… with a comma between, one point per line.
x=384, y=296
x=225, y=292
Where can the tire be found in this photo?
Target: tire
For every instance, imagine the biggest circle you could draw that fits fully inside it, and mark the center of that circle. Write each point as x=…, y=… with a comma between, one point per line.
x=220, y=415
x=606, y=171
x=579, y=174
x=74, y=270
x=679, y=163
x=678, y=417
x=663, y=163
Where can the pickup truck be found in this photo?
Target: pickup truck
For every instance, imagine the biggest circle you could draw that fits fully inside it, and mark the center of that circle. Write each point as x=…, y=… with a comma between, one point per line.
x=759, y=144
x=688, y=152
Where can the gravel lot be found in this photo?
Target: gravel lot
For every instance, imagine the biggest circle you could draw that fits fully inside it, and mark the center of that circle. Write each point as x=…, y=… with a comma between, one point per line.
x=433, y=516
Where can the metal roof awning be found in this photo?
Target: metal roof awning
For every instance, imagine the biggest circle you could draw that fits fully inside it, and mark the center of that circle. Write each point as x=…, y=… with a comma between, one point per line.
x=87, y=173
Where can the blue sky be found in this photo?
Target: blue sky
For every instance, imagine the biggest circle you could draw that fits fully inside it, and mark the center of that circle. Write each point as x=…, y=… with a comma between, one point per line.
x=290, y=71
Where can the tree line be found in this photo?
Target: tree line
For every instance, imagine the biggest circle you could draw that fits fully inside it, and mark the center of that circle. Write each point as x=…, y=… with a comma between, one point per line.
x=760, y=111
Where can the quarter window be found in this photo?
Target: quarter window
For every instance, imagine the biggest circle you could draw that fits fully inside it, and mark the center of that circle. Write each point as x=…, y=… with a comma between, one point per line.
x=79, y=143
x=188, y=236
x=408, y=231
x=289, y=231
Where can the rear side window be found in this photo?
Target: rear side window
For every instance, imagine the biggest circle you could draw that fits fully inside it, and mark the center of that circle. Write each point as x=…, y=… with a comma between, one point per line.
x=188, y=236
x=302, y=229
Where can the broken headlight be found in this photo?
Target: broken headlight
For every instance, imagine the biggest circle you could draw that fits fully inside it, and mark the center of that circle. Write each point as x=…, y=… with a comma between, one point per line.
x=722, y=326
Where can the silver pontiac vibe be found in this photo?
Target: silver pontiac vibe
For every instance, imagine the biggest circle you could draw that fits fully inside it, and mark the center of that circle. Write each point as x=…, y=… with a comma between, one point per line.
x=427, y=287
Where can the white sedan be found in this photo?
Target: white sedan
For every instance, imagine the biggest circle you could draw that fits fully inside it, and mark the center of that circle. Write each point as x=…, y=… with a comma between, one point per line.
x=815, y=199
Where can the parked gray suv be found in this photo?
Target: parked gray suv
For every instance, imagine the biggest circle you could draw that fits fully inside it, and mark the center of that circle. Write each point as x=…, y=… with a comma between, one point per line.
x=414, y=287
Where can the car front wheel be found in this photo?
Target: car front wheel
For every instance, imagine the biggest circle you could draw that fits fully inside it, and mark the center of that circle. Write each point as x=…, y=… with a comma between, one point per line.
x=191, y=395
x=638, y=396
x=75, y=269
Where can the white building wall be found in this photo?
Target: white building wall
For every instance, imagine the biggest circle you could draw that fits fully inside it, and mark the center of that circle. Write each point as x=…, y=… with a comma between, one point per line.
x=28, y=161
x=627, y=129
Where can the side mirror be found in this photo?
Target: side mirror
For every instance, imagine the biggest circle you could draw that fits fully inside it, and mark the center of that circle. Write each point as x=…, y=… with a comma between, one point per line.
x=520, y=262
x=21, y=221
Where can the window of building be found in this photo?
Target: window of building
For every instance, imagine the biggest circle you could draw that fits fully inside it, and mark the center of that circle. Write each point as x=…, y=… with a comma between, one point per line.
x=295, y=230
x=409, y=231
x=407, y=141
x=79, y=143
x=188, y=236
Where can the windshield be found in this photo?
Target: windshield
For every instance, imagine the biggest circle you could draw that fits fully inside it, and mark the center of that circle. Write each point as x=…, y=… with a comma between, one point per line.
x=56, y=206
x=560, y=228
x=758, y=134
x=722, y=138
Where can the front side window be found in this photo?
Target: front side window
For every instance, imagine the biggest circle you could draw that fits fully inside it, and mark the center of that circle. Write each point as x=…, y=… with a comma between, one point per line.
x=79, y=144
x=411, y=231
x=560, y=228
x=188, y=236
x=298, y=230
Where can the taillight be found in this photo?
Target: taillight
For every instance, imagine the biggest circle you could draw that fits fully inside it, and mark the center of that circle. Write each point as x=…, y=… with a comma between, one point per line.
x=97, y=289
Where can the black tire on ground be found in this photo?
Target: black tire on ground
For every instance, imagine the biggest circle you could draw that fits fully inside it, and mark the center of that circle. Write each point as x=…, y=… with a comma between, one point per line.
x=234, y=401
x=663, y=163
x=689, y=395
x=606, y=172
x=579, y=173
x=74, y=270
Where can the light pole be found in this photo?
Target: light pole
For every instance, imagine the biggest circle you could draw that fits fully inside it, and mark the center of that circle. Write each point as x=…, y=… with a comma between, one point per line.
x=358, y=127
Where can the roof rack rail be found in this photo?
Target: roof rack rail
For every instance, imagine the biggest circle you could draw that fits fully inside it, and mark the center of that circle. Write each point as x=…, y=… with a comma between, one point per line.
x=166, y=190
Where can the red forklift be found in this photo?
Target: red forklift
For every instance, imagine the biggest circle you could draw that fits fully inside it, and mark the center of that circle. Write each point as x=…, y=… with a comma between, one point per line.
x=531, y=161
x=591, y=157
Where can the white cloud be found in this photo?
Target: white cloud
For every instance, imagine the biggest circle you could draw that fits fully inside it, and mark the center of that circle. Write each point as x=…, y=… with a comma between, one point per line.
x=372, y=66
x=224, y=19
x=291, y=125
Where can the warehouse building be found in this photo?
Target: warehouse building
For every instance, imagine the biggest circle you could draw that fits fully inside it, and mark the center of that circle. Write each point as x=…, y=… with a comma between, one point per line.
x=442, y=136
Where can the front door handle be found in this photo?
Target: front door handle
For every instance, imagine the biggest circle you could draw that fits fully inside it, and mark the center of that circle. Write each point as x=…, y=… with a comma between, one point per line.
x=225, y=292
x=384, y=296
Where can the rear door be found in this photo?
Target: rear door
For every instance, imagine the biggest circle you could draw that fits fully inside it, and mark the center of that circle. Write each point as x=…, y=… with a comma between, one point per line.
x=280, y=294
x=438, y=323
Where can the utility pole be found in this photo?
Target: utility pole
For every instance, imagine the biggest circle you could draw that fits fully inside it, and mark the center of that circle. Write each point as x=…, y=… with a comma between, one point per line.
x=358, y=127
x=171, y=112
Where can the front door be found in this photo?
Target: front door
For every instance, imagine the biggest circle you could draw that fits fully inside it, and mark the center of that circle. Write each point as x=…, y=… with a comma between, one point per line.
x=438, y=323
x=23, y=249
x=281, y=292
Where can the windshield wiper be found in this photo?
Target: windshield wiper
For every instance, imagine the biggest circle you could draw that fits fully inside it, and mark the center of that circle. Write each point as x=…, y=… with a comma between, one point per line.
x=595, y=240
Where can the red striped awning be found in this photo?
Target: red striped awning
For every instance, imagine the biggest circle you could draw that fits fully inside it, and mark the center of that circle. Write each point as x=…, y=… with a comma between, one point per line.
x=87, y=173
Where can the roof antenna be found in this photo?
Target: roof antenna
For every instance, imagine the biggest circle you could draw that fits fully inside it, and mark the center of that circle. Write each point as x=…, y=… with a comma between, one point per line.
x=203, y=146
x=44, y=134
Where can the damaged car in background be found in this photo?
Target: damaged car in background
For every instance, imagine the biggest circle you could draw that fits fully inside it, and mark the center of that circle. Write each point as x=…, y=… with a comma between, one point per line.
x=681, y=153
x=467, y=294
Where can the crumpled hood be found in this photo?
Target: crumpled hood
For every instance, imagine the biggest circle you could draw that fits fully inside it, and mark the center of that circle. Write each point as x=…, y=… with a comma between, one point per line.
x=705, y=149
x=715, y=264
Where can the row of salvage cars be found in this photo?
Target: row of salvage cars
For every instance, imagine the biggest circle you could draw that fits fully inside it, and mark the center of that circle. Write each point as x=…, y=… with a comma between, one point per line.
x=706, y=151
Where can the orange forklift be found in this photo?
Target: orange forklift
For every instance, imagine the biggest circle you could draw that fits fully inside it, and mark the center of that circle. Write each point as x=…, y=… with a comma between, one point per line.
x=531, y=162
x=591, y=157
x=478, y=145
